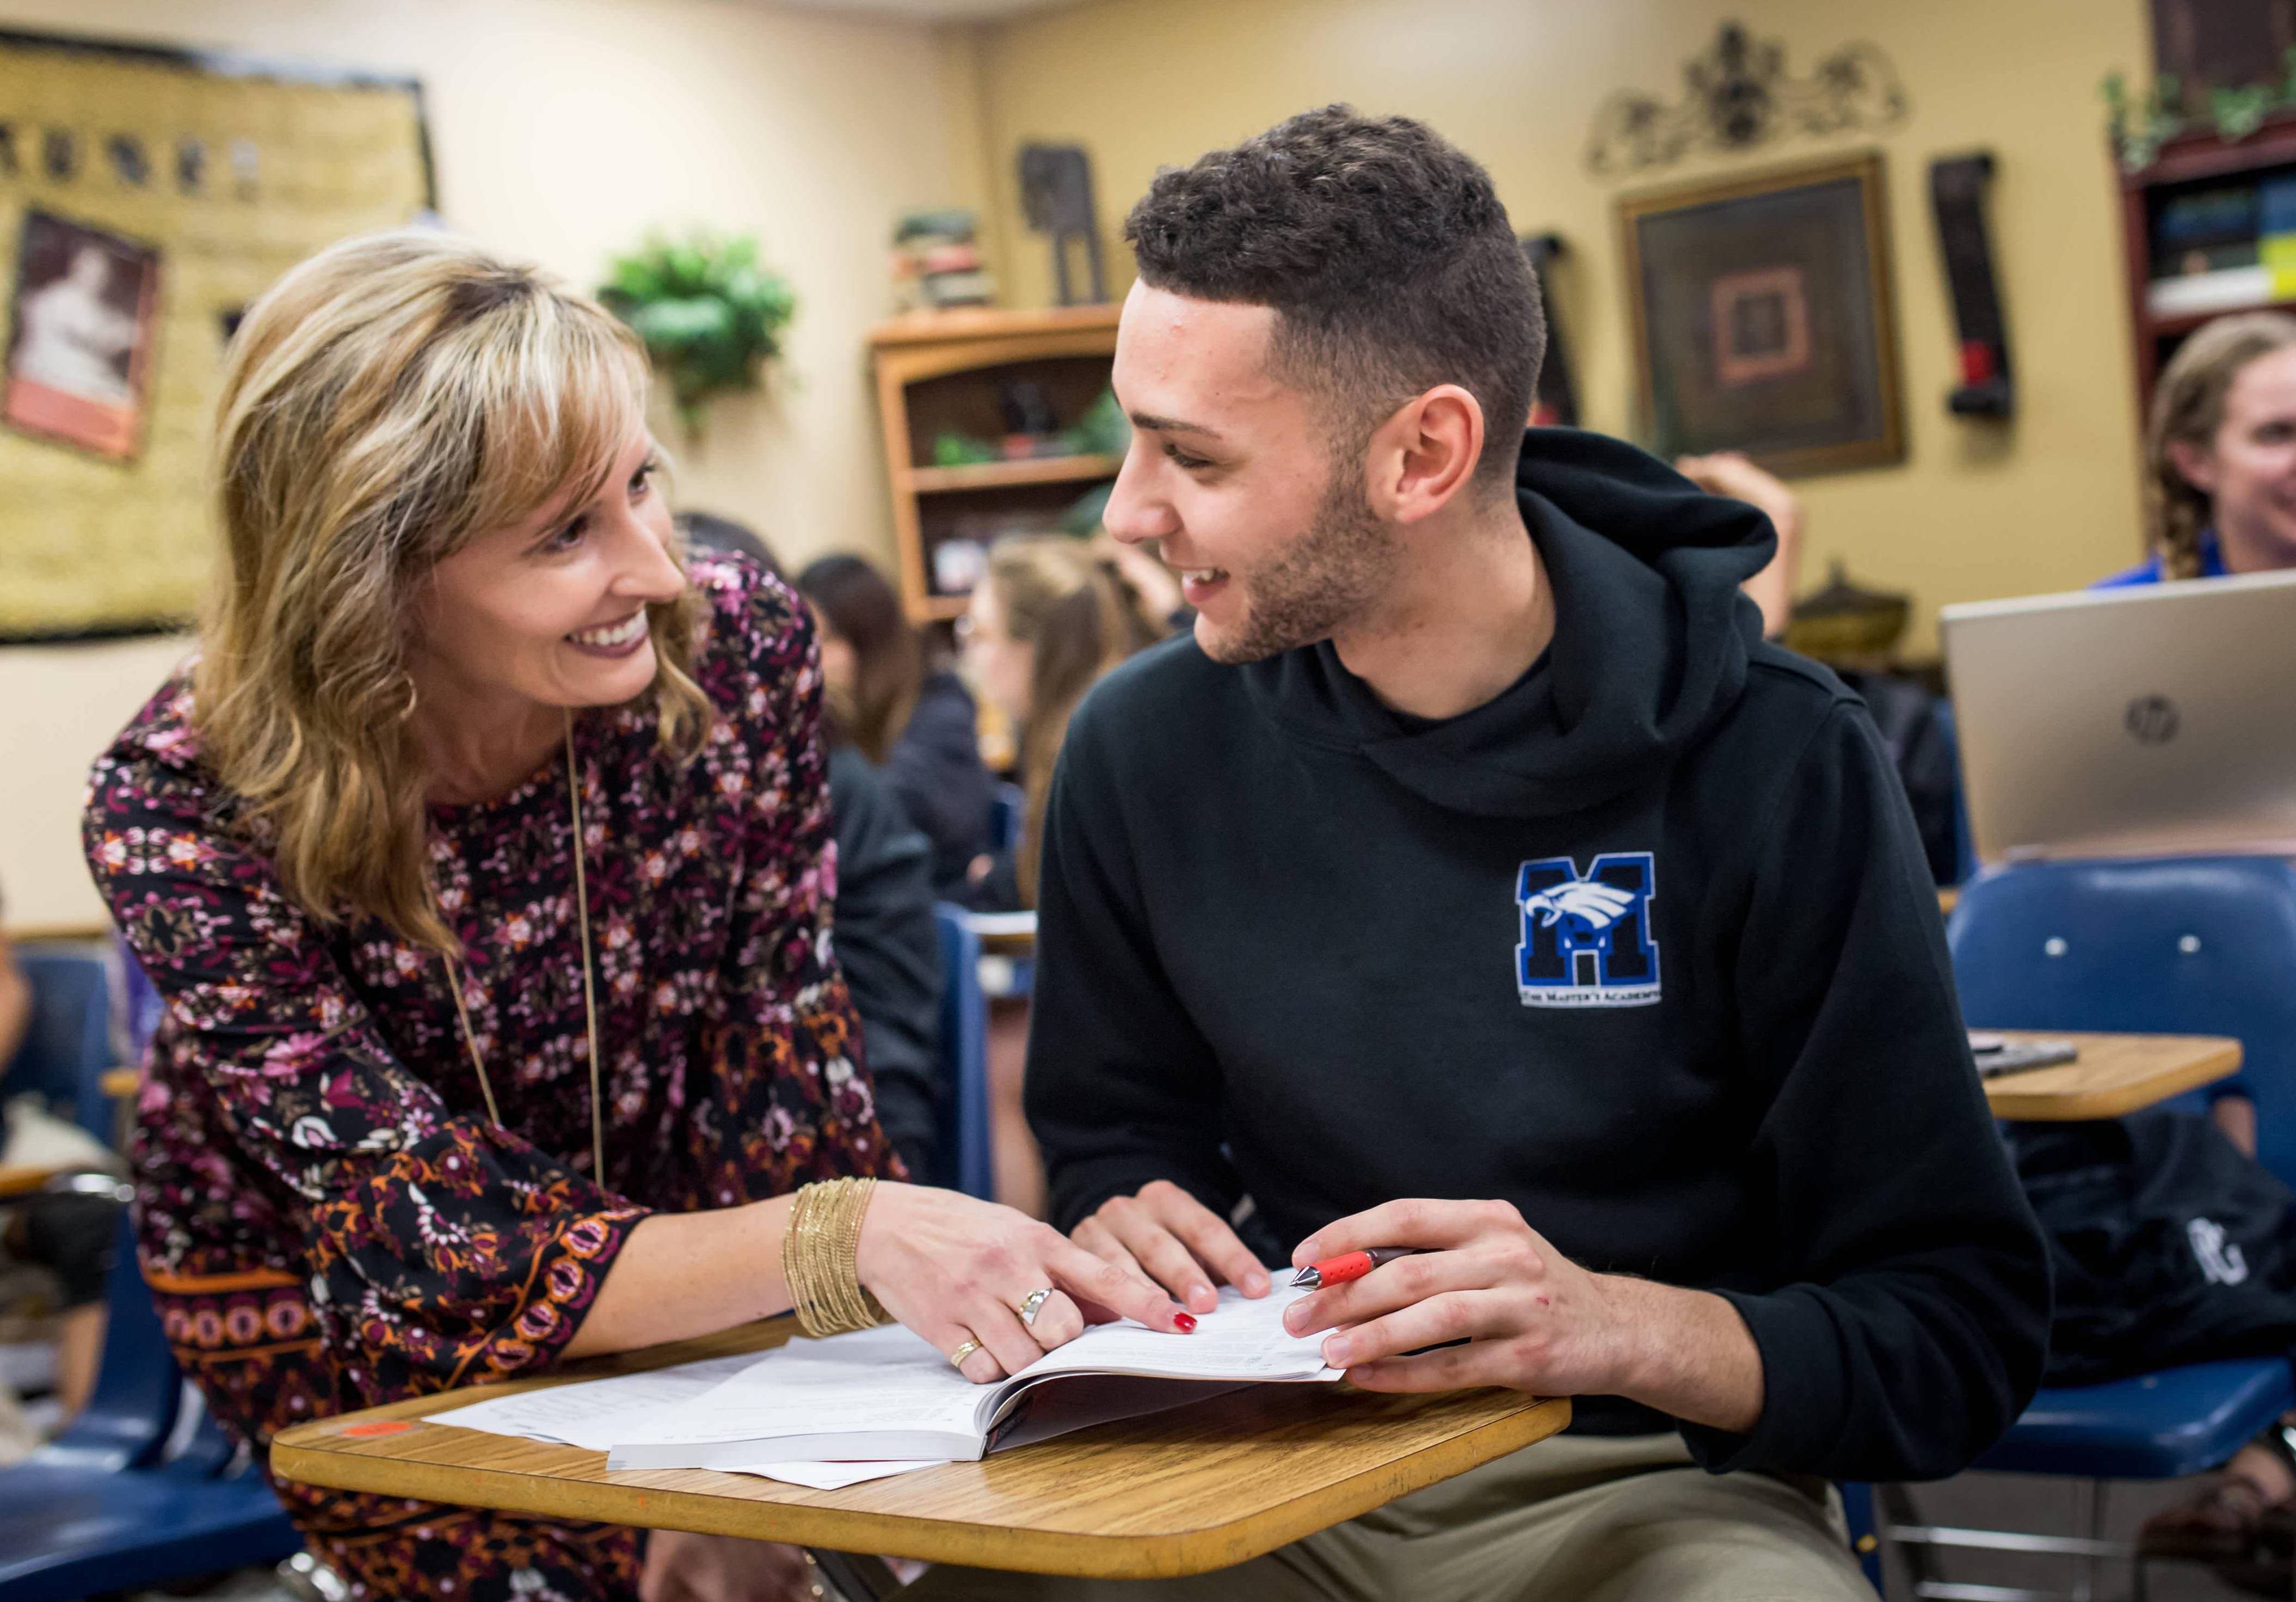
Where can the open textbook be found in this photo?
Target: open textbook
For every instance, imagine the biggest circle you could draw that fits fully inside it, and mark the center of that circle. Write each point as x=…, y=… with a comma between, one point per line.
x=885, y=1394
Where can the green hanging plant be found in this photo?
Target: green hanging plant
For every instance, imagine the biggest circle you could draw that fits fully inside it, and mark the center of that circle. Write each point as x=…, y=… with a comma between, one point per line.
x=709, y=314
x=2139, y=129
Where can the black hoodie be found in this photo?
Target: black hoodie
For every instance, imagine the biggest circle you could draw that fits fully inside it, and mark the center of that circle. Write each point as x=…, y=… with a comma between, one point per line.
x=1645, y=946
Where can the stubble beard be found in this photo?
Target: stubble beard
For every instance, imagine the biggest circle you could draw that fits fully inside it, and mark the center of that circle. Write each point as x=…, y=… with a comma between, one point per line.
x=1329, y=575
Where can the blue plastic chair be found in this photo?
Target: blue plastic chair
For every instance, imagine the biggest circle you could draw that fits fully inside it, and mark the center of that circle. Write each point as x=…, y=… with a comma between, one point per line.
x=962, y=1159
x=69, y=1043
x=2181, y=946
x=106, y=1506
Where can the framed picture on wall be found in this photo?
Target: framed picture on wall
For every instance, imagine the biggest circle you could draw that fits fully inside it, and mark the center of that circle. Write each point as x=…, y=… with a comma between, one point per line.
x=1763, y=319
x=79, y=346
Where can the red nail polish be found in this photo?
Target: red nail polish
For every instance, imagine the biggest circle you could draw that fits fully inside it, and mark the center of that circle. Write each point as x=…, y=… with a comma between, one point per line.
x=1186, y=1321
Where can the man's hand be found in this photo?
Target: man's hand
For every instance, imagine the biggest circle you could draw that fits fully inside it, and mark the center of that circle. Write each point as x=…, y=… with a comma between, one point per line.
x=1531, y=1319
x=1170, y=1237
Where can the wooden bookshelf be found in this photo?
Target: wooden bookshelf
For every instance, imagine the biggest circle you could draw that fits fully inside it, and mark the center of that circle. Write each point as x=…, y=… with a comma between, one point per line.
x=942, y=371
x=2189, y=162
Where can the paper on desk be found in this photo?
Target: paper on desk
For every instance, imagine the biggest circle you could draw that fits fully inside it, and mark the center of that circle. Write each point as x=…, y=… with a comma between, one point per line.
x=589, y=1413
x=877, y=1379
x=836, y=1476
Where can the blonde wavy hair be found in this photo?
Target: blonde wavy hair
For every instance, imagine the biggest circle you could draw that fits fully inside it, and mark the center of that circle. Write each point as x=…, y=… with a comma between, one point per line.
x=385, y=402
x=2188, y=407
x=1065, y=597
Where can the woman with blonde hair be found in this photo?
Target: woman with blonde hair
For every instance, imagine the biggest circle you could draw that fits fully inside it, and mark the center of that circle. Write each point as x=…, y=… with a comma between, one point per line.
x=2220, y=454
x=1050, y=616
x=481, y=856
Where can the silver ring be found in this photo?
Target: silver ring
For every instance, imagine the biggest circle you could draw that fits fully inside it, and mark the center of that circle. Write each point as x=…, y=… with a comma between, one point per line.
x=956, y=1358
x=1034, y=1305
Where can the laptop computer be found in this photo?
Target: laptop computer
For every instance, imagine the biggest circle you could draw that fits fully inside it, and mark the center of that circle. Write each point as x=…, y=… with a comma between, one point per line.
x=2156, y=720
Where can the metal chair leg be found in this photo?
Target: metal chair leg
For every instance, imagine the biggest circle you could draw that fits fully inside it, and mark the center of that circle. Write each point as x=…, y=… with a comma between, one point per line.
x=1896, y=1505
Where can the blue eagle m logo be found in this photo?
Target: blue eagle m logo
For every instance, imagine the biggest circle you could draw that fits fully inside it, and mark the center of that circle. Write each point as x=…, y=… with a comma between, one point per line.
x=1587, y=939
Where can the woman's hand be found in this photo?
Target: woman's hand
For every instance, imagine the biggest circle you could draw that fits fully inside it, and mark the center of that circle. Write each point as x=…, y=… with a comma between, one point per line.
x=957, y=1269
x=685, y=1568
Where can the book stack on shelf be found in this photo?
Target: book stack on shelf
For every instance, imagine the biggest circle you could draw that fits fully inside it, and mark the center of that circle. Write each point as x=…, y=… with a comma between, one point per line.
x=2206, y=249
x=2209, y=228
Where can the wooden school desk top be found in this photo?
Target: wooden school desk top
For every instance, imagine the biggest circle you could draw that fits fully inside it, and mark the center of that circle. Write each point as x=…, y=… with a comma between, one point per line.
x=2115, y=1074
x=1198, y=1488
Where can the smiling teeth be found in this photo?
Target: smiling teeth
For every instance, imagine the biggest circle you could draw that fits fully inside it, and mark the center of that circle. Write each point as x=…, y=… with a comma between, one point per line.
x=620, y=634
x=1202, y=575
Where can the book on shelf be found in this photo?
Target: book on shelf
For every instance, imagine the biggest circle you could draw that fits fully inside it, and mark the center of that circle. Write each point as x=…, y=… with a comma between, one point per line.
x=2230, y=289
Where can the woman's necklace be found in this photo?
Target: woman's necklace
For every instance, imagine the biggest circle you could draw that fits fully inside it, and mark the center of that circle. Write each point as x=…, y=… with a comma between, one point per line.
x=589, y=985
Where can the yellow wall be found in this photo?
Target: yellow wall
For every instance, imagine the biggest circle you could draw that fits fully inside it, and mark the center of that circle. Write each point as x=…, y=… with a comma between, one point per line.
x=561, y=129
x=1975, y=510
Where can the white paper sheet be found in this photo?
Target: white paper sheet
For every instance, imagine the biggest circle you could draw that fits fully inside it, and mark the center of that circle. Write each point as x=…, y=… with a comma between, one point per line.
x=835, y=1476
x=588, y=1414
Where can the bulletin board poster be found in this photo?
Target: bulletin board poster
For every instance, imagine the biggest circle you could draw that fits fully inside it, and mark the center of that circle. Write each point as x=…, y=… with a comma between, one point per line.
x=146, y=196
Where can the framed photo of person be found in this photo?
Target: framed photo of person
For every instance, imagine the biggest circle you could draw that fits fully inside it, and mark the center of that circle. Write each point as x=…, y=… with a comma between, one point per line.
x=82, y=326
x=1763, y=319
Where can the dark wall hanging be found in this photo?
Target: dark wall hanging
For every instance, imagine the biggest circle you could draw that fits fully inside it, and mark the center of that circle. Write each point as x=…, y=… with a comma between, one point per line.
x=1738, y=95
x=1056, y=193
x=1763, y=317
x=1957, y=189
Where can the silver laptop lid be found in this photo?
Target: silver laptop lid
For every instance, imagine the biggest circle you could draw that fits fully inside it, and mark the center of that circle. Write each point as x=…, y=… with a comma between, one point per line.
x=2158, y=719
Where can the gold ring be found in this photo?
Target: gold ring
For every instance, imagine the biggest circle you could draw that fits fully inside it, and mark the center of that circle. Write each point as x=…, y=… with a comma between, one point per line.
x=1034, y=1305
x=956, y=1358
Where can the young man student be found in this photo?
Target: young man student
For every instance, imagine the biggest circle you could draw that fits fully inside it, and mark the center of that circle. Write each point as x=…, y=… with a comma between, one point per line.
x=1475, y=880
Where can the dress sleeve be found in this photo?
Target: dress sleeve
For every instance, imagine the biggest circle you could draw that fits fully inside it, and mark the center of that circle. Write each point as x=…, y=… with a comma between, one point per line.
x=784, y=990
x=441, y=1251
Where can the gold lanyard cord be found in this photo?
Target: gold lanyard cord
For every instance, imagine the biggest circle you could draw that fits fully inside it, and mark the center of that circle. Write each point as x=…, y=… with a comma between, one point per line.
x=589, y=983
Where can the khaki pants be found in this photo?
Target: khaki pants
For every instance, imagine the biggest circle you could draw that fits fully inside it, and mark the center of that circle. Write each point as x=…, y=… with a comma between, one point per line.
x=1577, y=1518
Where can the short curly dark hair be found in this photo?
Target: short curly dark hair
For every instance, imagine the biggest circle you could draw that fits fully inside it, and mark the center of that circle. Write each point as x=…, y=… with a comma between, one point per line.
x=1385, y=253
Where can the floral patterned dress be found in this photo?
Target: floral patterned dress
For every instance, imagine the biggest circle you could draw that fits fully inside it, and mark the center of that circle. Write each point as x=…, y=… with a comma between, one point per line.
x=328, y=1218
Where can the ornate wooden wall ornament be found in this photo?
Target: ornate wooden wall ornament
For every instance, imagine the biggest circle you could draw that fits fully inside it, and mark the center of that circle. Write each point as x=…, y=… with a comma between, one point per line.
x=1737, y=94
x=146, y=195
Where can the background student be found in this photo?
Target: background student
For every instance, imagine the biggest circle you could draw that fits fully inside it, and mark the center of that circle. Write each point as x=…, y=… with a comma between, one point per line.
x=919, y=727
x=68, y=1234
x=2220, y=454
x=1050, y=616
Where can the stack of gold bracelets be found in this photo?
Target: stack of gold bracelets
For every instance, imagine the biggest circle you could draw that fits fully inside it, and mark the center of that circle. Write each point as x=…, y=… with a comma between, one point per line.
x=818, y=1248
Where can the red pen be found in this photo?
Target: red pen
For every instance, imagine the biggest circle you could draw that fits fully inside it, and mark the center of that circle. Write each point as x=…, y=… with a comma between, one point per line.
x=1352, y=1265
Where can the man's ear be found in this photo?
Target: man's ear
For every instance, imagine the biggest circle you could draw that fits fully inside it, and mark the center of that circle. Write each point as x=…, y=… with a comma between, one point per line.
x=2196, y=465
x=1424, y=456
